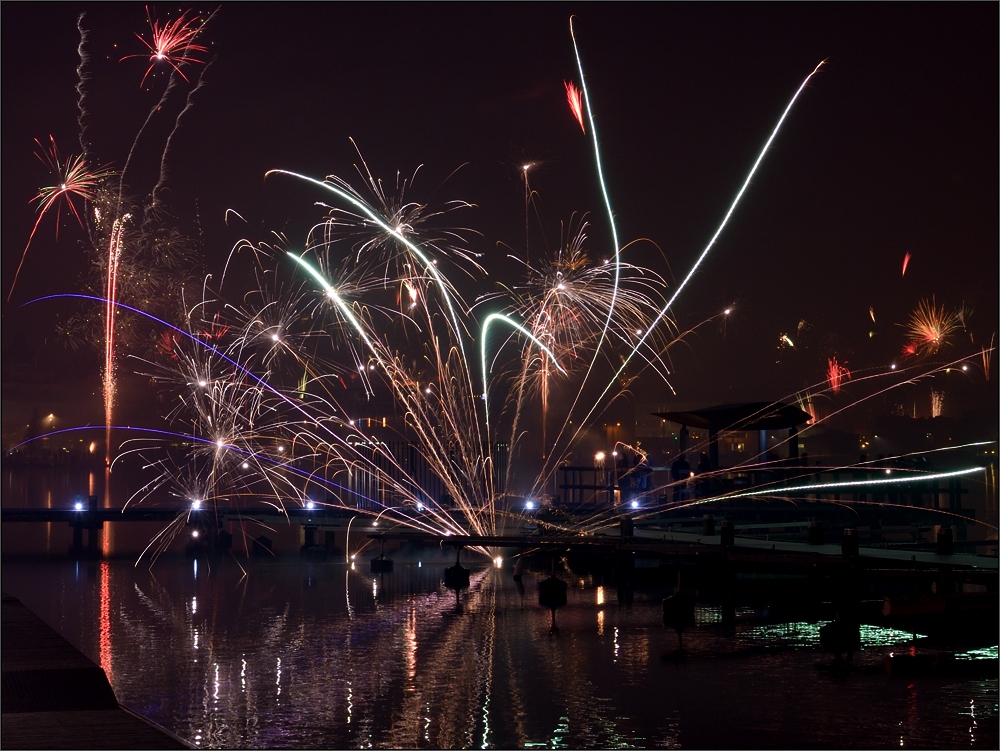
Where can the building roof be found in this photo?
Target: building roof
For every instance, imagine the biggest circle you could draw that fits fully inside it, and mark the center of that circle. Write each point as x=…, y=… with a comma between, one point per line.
x=743, y=416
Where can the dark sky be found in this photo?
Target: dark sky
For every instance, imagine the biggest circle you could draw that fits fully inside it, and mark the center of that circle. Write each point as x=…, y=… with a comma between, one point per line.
x=892, y=150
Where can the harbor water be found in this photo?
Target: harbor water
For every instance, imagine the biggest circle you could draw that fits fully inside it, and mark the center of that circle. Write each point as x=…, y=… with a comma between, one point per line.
x=255, y=652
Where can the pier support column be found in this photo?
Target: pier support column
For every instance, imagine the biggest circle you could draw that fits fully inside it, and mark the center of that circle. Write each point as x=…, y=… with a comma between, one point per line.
x=793, y=445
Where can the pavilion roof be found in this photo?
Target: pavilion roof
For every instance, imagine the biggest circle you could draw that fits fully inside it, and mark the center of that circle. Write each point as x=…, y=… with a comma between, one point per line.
x=742, y=416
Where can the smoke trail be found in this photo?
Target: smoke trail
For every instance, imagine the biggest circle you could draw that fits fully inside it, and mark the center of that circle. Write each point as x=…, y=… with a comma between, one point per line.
x=81, y=78
x=166, y=147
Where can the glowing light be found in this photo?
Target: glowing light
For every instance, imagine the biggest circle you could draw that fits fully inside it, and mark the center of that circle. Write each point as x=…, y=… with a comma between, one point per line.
x=836, y=374
x=930, y=326
x=76, y=179
x=635, y=504
x=498, y=561
x=575, y=98
x=906, y=262
x=529, y=505
x=195, y=505
x=856, y=483
x=173, y=42
x=310, y=505
x=78, y=506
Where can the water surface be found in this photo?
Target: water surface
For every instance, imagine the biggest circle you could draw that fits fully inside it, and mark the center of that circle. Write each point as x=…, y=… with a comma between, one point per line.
x=287, y=653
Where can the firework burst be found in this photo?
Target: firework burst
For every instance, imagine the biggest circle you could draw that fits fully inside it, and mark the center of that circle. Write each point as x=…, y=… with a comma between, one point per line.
x=575, y=99
x=74, y=178
x=931, y=326
x=836, y=374
x=172, y=43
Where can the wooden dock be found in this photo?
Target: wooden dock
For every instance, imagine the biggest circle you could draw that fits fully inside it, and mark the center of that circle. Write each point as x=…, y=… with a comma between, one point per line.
x=53, y=696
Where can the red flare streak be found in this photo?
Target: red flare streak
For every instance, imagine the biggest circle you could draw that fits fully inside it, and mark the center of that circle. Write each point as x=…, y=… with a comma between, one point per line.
x=836, y=374
x=575, y=98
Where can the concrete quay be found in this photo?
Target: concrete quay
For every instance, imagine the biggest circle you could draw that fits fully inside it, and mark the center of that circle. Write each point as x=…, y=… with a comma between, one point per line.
x=53, y=696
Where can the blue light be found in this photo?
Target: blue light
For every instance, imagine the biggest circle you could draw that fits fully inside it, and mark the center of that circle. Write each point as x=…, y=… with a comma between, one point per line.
x=635, y=504
x=529, y=505
x=78, y=506
x=310, y=505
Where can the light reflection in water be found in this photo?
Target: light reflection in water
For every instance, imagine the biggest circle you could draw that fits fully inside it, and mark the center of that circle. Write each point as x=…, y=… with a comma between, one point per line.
x=105, y=620
x=412, y=671
x=107, y=532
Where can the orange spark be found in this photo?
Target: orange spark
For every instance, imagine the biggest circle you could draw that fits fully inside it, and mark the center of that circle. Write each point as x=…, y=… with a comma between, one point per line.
x=575, y=98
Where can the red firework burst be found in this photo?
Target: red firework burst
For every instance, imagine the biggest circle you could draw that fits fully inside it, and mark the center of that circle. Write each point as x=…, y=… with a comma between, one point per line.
x=173, y=43
x=836, y=374
x=575, y=98
x=74, y=177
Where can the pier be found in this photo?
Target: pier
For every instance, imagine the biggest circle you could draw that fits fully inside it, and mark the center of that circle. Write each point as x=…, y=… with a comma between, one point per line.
x=55, y=697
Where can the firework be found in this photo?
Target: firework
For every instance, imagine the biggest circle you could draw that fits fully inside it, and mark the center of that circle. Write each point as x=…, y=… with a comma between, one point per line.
x=930, y=326
x=370, y=397
x=836, y=374
x=357, y=376
x=75, y=178
x=906, y=262
x=173, y=43
x=575, y=98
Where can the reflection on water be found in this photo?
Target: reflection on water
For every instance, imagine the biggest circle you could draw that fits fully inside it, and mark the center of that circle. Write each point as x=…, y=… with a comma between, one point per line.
x=297, y=654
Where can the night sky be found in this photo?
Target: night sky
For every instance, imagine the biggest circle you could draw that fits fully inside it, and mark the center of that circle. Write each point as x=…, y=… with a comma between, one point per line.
x=893, y=149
